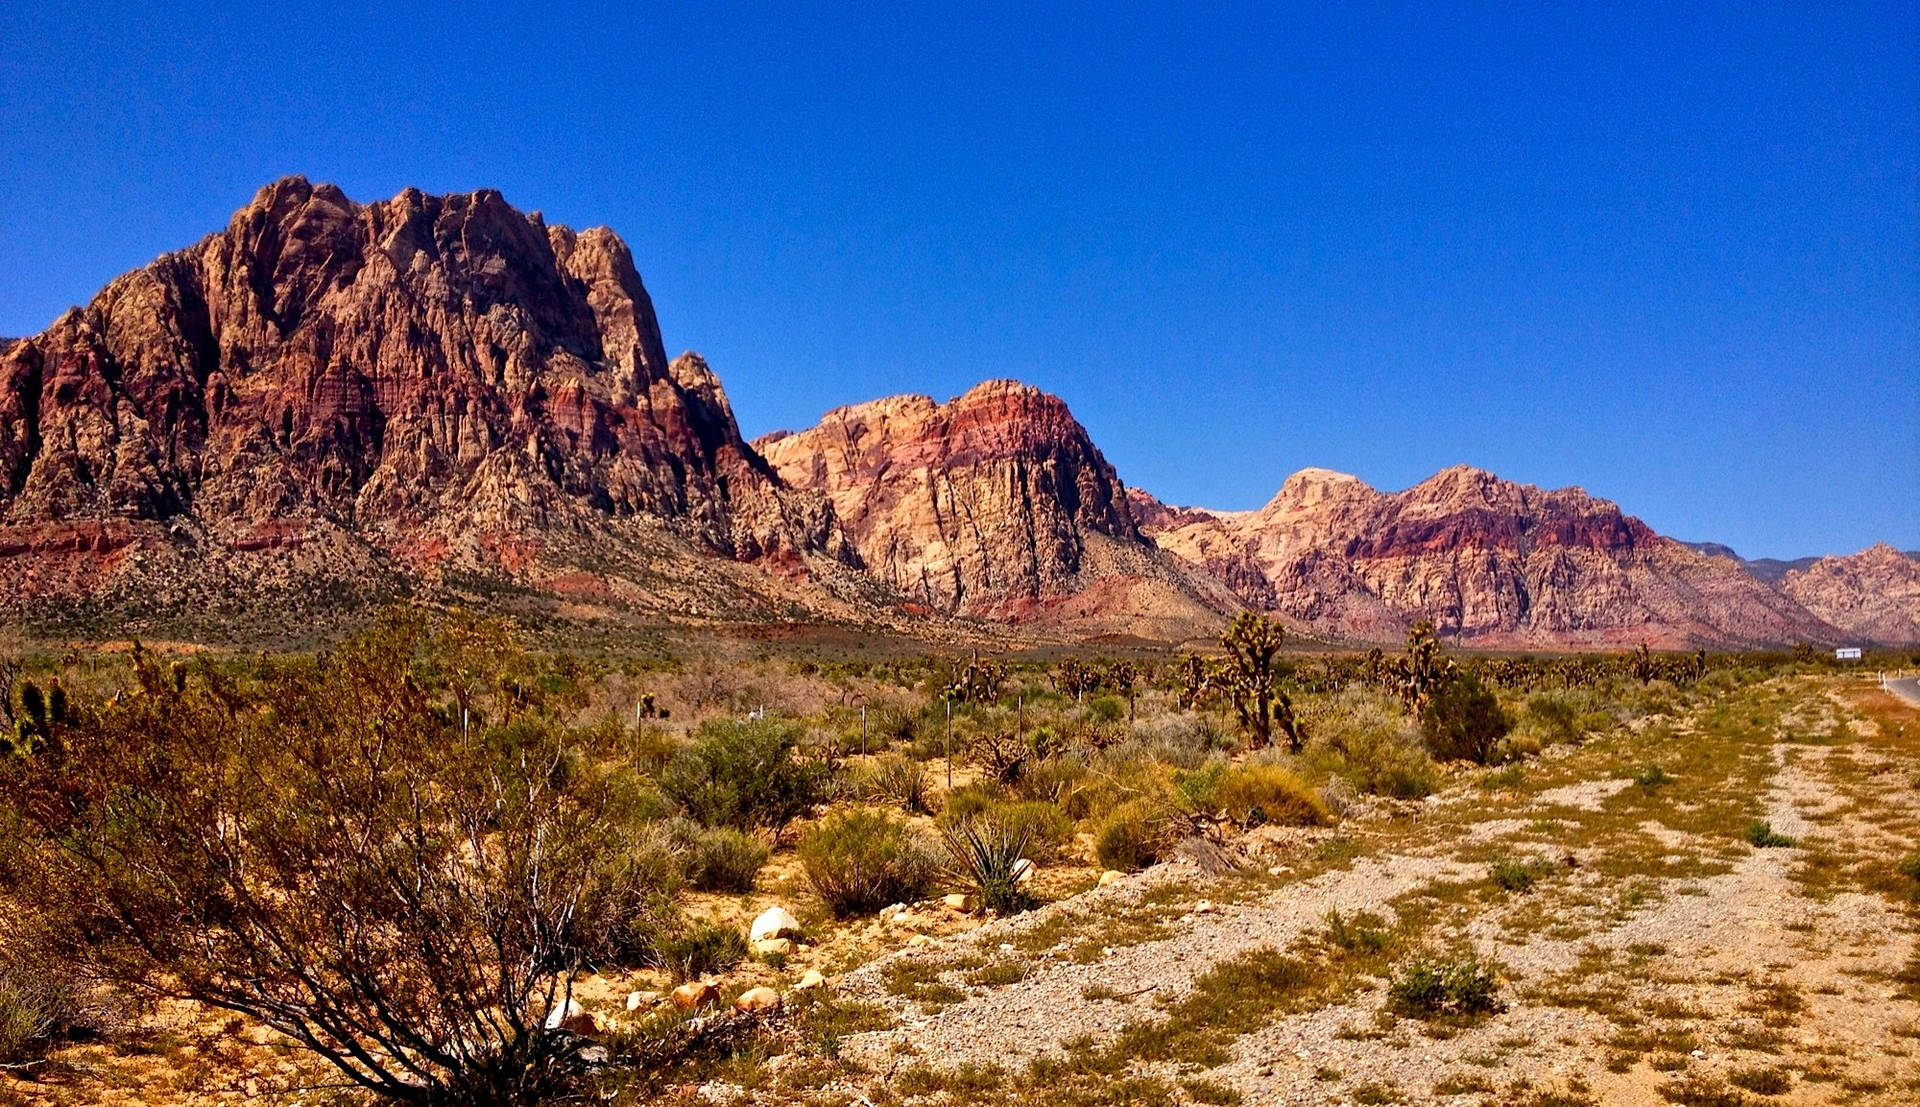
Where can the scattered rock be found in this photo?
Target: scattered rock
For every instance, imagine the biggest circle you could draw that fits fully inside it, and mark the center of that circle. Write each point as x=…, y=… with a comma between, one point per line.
x=643, y=1001
x=774, y=947
x=774, y=922
x=696, y=993
x=568, y=1015
x=1204, y=907
x=1022, y=871
x=810, y=980
x=958, y=901
x=757, y=1001
x=1111, y=876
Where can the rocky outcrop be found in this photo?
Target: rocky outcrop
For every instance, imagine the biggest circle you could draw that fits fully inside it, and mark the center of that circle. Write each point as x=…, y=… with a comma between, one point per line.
x=1873, y=595
x=1492, y=562
x=437, y=379
x=995, y=504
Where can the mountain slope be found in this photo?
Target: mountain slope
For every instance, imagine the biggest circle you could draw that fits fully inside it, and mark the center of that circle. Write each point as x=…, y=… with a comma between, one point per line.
x=996, y=504
x=1492, y=562
x=1873, y=595
x=396, y=387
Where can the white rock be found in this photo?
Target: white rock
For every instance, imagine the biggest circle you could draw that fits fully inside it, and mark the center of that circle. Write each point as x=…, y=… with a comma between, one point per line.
x=958, y=901
x=757, y=1001
x=810, y=980
x=1204, y=907
x=637, y=1001
x=774, y=947
x=1111, y=876
x=774, y=922
x=1022, y=871
x=572, y=1017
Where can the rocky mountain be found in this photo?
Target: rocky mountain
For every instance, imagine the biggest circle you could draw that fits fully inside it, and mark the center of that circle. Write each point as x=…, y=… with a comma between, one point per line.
x=1770, y=569
x=1873, y=595
x=362, y=393
x=995, y=504
x=1492, y=562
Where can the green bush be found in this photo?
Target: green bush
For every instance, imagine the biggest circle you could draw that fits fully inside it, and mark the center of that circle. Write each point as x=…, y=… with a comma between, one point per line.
x=861, y=860
x=1517, y=874
x=1761, y=835
x=1555, y=717
x=1362, y=739
x=721, y=858
x=742, y=773
x=1463, y=721
x=1259, y=793
x=897, y=780
x=700, y=950
x=972, y=800
x=986, y=854
x=1044, y=826
x=1462, y=986
x=1650, y=777
x=1132, y=836
x=632, y=902
x=44, y=1001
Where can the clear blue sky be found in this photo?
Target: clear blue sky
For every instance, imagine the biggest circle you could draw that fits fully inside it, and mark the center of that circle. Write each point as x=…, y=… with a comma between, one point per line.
x=1673, y=257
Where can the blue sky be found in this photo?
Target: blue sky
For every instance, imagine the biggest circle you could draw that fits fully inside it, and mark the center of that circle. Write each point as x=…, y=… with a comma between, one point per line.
x=1670, y=256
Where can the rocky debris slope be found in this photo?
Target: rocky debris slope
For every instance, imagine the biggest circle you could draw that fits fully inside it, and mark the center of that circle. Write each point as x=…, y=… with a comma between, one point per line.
x=995, y=504
x=1492, y=562
x=405, y=384
x=1873, y=595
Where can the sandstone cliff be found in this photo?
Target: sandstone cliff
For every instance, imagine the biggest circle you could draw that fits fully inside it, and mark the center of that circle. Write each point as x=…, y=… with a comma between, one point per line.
x=1492, y=562
x=394, y=387
x=1873, y=595
x=996, y=504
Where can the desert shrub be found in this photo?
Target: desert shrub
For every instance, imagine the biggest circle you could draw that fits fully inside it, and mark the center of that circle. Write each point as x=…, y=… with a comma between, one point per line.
x=1044, y=826
x=1463, y=986
x=897, y=780
x=1463, y=720
x=1362, y=934
x=1650, y=777
x=1554, y=717
x=861, y=860
x=971, y=800
x=742, y=773
x=1106, y=709
x=45, y=1000
x=721, y=858
x=314, y=843
x=1761, y=835
x=1909, y=867
x=1132, y=836
x=701, y=949
x=986, y=855
x=1258, y=793
x=1517, y=874
x=1363, y=740
x=631, y=903
x=1052, y=781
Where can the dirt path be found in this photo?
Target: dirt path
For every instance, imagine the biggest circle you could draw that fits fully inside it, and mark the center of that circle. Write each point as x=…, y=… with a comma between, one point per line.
x=1659, y=955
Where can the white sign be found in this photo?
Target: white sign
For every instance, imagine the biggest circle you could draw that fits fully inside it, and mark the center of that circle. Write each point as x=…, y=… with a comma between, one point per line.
x=1847, y=653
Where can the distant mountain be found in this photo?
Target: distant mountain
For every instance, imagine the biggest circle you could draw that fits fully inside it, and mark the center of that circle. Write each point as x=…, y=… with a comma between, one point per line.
x=328, y=404
x=1492, y=562
x=995, y=505
x=1873, y=595
x=1770, y=569
x=338, y=400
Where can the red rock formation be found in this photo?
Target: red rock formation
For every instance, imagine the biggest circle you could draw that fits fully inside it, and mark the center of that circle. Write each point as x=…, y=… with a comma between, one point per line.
x=426, y=375
x=995, y=504
x=1873, y=595
x=1490, y=561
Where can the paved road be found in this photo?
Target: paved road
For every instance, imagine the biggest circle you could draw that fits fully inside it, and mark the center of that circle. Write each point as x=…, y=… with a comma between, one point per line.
x=1907, y=688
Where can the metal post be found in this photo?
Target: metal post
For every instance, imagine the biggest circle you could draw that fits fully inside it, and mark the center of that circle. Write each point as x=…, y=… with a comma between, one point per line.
x=949, y=743
x=863, y=730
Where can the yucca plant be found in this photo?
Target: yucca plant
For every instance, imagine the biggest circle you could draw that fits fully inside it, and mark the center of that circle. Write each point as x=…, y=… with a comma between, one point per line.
x=987, y=855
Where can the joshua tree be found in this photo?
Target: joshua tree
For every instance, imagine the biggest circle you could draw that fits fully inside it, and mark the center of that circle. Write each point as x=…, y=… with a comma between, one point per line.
x=1252, y=643
x=1121, y=677
x=1423, y=670
x=1192, y=677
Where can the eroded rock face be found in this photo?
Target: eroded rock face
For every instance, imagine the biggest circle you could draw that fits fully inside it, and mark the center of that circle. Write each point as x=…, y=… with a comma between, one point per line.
x=1490, y=561
x=994, y=504
x=1873, y=595
x=430, y=374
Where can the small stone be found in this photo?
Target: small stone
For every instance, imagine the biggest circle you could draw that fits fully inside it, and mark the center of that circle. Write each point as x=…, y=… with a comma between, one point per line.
x=1022, y=871
x=640, y=1001
x=1111, y=876
x=1204, y=907
x=595, y=1055
x=919, y=940
x=1187, y=918
x=696, y=993
x=757, y=1001
x=774, y=947
x=957, y=901
x=1006, y=947
x=774, y=922
x=568, y=1015
x=1698, y=1054
x=810, y=980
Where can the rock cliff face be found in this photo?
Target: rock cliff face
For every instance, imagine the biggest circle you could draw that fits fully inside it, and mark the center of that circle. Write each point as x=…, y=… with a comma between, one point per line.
x=1873, y=595
x=1492, y=562
x=410, y=381
x=995, y=504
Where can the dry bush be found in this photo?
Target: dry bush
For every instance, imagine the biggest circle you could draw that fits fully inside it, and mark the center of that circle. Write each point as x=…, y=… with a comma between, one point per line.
x=1364, y=739
x=1133, y=835
x=743, y=773
x=861, y=860
x=320, y=844
x=1259, y=793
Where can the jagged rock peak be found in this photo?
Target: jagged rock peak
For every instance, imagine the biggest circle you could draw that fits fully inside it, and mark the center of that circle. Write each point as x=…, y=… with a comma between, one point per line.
x=383, y=364
x=982, y=505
